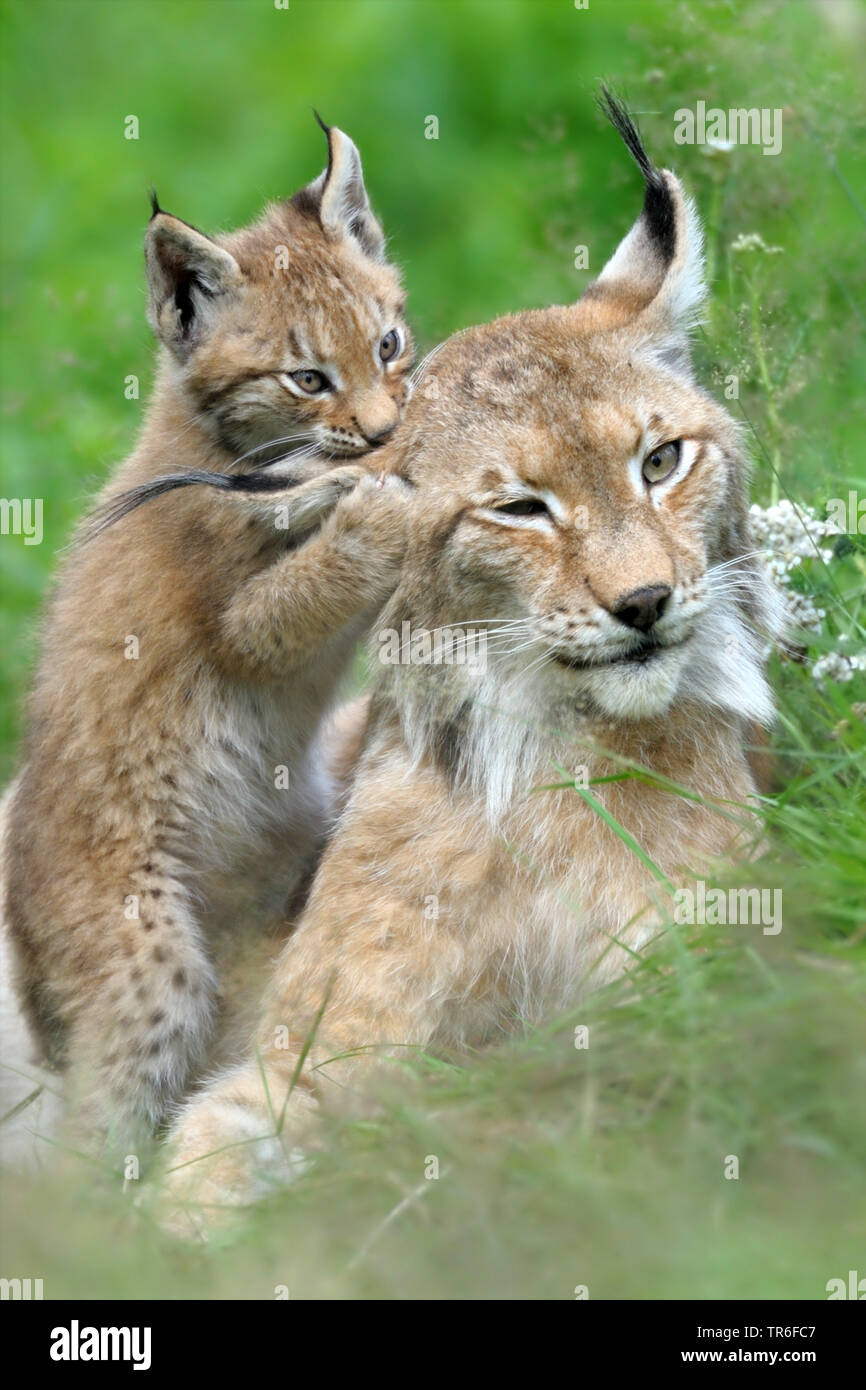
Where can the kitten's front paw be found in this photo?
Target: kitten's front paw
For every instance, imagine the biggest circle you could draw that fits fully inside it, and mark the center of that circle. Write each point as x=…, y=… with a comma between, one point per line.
x=376, y=515
x=315, y=501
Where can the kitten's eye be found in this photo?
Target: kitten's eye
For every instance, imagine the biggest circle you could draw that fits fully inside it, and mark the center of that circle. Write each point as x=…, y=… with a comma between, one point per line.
x=389, y=347
x=662, y=461
x=311, y=382
x=524, y=506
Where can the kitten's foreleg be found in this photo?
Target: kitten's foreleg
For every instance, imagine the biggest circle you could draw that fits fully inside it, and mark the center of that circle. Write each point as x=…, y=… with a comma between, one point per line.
x=281, y=618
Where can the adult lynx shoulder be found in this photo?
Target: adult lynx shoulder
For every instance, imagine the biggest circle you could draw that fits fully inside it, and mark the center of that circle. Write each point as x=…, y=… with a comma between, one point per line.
x=583, y=503
x=191, y=651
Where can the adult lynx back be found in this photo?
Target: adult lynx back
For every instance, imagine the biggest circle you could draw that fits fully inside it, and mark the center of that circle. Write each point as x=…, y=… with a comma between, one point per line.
x=582, y=502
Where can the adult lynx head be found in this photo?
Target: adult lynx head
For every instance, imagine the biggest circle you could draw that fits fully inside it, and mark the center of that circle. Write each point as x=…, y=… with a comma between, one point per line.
x=293, y=327
x=584, y=502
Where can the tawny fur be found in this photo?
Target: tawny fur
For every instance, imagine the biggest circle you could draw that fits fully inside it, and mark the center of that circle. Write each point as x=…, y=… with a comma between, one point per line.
x=457, y=902
x=171, y=782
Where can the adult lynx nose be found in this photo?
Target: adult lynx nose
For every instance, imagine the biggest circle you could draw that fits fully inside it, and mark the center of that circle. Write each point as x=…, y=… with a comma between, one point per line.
x=643, y=607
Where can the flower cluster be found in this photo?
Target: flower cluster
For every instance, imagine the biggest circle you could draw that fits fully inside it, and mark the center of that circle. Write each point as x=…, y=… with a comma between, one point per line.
x=787, y=536
x=753, y=241
x=838, y=666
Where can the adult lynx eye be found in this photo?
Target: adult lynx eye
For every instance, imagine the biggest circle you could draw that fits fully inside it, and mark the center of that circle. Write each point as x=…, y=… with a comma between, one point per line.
x=311, y=382
x=525, y=506
x=662, y=461
x=389, y=346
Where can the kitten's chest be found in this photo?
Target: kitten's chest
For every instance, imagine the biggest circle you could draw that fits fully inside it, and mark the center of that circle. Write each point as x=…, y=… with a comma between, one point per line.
x=258, y=775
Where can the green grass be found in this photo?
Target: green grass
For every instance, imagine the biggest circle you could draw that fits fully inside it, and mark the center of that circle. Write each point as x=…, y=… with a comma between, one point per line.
x=559, y=1167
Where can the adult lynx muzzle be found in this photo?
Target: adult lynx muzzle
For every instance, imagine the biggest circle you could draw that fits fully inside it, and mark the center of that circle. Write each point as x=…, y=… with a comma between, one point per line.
x=583, y=502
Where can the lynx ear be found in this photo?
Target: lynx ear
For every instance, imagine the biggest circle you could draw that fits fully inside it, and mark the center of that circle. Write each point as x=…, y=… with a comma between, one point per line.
x=343, y=206
x=655, y=278
x=186, y=273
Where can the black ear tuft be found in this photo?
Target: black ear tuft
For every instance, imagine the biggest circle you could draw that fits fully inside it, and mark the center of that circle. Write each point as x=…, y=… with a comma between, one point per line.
x=658, y=206
x=309, y=200
x=617, y=113
x=155, y=209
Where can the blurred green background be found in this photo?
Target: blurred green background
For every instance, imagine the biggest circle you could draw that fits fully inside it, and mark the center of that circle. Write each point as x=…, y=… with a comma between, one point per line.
x=484, y=219
x=615, y=1182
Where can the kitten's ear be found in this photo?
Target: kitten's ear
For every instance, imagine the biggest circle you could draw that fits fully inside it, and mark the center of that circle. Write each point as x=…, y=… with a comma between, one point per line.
x=186, y=274
x=343, y=206
x=655, y=278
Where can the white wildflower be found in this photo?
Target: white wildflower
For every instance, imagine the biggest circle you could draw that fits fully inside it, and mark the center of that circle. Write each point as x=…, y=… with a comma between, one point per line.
x=714, y=146
x=838, y=666
x=787, y=536
x=753, y=241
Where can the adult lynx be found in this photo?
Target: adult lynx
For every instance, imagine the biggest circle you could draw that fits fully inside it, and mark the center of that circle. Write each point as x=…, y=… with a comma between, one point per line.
x=583, y=501
x=192, y=650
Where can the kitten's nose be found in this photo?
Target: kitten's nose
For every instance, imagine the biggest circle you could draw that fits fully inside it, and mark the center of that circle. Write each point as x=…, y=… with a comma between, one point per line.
x=643, y=607
x=380, y=435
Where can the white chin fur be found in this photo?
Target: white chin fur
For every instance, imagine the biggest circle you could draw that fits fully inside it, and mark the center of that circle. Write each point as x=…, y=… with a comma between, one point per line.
x=726, y=668
x=721, y=665
x=631, y=692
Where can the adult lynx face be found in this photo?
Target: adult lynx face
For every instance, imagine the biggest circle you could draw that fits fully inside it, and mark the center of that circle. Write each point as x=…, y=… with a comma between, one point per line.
x=590, y=507
x=292, y=328
x=595, y=524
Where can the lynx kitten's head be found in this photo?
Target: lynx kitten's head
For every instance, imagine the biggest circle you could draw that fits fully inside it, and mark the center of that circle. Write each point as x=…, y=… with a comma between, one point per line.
x=584, y=502
x=291, y=329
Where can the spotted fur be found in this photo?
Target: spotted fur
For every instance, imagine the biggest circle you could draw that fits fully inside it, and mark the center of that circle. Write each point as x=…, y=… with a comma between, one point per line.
x=459, y=900
x=171, y=765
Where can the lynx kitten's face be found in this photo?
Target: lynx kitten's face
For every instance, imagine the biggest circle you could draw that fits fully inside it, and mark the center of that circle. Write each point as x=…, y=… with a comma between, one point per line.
x=292, y=330
x=319, y=350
